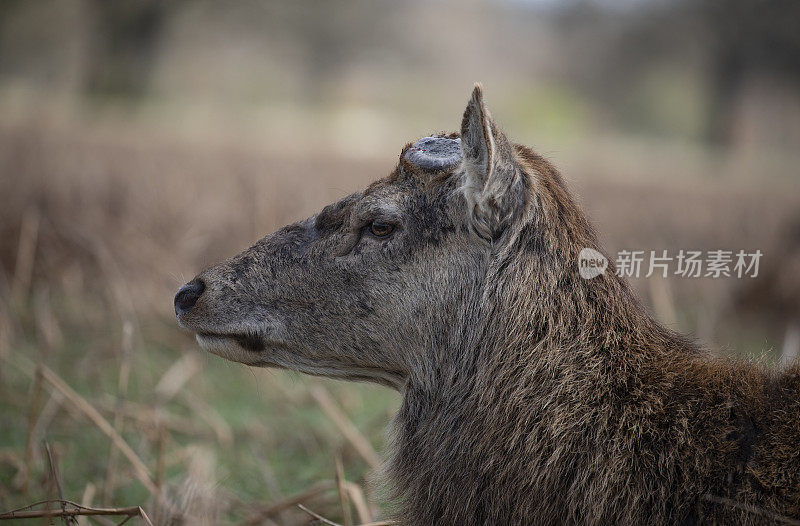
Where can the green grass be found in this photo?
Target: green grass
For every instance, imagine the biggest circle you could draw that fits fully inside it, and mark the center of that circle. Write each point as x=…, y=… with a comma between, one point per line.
x=282, y=442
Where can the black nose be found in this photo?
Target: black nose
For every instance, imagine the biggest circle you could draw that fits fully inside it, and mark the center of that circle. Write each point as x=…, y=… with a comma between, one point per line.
x=188, y=296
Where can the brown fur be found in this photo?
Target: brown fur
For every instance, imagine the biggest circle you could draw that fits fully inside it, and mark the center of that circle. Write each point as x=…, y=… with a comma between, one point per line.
x=530, y=395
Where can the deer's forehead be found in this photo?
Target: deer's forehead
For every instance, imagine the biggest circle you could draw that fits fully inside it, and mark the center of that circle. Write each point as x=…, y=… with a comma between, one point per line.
x=374, y=202
x=334, y=216
x=392, y=197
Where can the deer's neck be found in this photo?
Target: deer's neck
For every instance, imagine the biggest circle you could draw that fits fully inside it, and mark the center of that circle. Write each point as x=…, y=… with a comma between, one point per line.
x=475, y=428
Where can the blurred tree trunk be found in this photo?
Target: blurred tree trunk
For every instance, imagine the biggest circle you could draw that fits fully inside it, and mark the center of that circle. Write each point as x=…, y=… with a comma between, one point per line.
x=747, y=37
x=725, y=82
x=126, y=38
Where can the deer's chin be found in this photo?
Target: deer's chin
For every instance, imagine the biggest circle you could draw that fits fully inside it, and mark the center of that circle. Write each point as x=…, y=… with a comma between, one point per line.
x=231, y=347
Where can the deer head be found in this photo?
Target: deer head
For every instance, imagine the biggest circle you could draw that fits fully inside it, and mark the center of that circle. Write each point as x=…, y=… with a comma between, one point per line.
x=383, y=283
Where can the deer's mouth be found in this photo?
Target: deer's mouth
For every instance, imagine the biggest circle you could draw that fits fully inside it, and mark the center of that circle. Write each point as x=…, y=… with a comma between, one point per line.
x=248, y=341
x=261, y=351
x=244, y=348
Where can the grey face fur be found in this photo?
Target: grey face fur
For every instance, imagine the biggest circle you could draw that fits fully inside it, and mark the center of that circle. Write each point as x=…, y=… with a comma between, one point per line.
x=333, y=296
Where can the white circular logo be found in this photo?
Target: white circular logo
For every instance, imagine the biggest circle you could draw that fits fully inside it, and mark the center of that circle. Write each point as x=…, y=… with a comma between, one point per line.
x=591, y=263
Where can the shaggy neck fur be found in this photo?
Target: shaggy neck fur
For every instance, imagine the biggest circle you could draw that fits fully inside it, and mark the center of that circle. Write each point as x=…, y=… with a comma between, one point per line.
x=571, y=405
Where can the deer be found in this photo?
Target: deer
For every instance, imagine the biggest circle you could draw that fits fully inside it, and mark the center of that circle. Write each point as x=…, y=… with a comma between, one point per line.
x=530, y=394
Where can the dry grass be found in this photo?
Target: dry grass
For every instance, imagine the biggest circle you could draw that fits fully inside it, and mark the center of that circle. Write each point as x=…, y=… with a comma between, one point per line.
x=97, y=231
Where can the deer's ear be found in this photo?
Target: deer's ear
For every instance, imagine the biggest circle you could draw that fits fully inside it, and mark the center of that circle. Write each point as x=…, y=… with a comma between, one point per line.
x=493, y=183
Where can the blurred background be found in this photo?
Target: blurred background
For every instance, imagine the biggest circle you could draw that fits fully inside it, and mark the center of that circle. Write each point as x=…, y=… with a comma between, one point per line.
x=142, y=140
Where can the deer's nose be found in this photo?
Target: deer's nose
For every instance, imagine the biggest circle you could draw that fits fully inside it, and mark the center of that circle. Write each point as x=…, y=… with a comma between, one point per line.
x=188, y=296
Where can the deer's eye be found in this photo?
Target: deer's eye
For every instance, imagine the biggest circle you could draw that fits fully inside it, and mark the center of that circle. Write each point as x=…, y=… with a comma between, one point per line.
x=380, y=229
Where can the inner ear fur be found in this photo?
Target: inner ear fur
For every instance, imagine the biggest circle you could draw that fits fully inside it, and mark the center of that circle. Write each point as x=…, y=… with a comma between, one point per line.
x=493, y=182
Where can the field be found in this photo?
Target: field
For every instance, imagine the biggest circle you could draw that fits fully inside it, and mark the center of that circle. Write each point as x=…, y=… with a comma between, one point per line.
x=101, y=223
